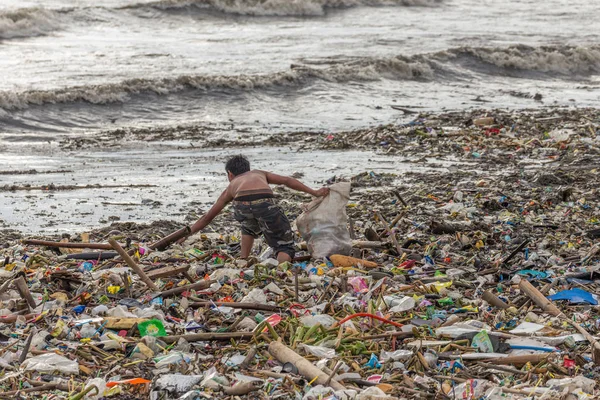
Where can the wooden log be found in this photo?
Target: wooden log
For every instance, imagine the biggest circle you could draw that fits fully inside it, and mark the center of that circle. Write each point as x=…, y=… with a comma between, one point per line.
x=539, y=298
x=194, y=286
x=101, y=255
x=165, y=242
x=67, y=245
x=361, y=244
x=25, y=350
x=132, y=264
x=519, y=360
x=23, y=289
x=167, y=271
x=12, y=318
x=386, y=335
x=493, y=300
x=242, y=306
x=197, y=337
x=241, y=388
x=515, y=252
x=249, y=357
x=284, y=354
x=404, y=203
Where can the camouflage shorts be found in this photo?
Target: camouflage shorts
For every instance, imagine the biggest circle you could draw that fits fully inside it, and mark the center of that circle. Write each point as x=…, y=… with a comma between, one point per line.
x=266, y=217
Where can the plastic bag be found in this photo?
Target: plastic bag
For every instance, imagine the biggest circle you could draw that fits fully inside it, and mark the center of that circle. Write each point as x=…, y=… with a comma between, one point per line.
x=395, y=355
x=50, y=363
x=323, y=224
x=399, y=304
x=177, y=383
x=319, y=351
x=311, y=320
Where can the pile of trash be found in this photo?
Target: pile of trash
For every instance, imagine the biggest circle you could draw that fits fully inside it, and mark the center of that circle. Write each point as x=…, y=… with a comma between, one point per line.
x=463, y=282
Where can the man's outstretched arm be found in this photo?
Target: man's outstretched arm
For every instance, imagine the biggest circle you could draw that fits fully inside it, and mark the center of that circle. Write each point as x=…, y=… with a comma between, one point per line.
x=295, y=184
x=207, y=218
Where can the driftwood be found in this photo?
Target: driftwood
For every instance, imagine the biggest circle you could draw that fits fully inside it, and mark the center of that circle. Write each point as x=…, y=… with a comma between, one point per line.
x=242, y=306
x=132, y=264
x=194, y=286
x=25, y=349
x=101, y=255
x=165, y=242
x=51, y=187
x=249, y=357
x=21, y=285
x=361, y=244
x=515, y=252
x=197, y=337
x=440, y=228
x=519, y=360
x=12, y=318
x=390, y=233
x=284, y=354
x=167, y=271
x=493, y=300
x=241, y=388
x=68, y=245
x=539, y=298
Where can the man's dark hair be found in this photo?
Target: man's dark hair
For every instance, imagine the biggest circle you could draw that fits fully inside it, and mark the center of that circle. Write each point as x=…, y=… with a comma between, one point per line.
x=237, y=165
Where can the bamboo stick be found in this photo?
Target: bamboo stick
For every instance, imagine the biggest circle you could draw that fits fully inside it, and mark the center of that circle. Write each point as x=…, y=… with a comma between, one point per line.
x=284, y=354
x=197, y=337
x=132, y=264
x=68, y=245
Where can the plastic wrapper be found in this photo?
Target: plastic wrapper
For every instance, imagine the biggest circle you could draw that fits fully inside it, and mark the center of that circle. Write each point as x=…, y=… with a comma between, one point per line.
x=255, y=296
x=399, y=304
x=51, y=363
x=177, y=383
x=311, y=320
x=318, y=351
x=323, y=224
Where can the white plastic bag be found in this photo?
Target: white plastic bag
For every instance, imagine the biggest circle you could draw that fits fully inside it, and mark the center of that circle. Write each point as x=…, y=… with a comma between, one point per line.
x=324, y=223
x=50, y=363
x=319, y=351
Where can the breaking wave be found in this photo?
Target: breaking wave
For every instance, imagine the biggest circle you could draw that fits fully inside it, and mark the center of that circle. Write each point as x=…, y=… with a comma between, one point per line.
x=32, y=22
x=364, y=70
x=564, y=61
x=561, y=60
x=278, y=7
x=27, y=22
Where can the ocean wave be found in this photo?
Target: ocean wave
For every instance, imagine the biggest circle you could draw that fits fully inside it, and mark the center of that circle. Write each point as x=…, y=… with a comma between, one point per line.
x=278, y=7
x=27, y=22
x=520, y=61
x=561, y=60
x=361, y=70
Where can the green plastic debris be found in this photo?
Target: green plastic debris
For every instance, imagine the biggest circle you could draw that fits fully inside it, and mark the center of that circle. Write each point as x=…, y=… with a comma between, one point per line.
x=153, y=327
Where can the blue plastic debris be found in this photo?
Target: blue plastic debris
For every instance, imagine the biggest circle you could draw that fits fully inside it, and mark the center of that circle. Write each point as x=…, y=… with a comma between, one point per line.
x=576, y=296
x=373, y=362
x=533, y=273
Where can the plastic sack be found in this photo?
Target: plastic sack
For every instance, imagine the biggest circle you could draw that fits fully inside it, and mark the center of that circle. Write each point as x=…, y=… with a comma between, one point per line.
x=50, y=363
x=323, y=224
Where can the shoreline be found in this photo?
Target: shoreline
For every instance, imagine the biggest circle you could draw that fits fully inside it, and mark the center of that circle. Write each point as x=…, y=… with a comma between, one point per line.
x=182, y=181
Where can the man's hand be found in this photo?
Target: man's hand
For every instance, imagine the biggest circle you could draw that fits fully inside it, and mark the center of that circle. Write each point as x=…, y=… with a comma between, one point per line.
x=322, y=192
